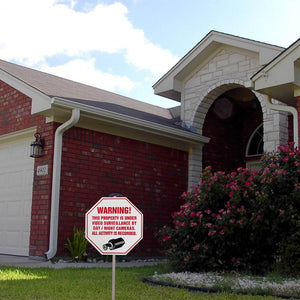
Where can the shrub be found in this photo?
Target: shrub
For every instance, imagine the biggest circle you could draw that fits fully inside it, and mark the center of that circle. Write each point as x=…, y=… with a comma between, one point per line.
x=243, y=220
x=77, y=246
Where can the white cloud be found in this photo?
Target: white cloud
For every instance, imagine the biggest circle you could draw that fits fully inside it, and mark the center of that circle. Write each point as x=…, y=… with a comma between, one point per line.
x=35, y=30
x=85, y=72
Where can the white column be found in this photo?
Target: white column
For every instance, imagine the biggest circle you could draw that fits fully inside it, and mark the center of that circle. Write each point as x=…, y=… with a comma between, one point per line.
x=195, y=164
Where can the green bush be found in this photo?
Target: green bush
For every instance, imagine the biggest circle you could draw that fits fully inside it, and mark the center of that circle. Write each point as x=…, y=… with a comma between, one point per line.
x=77, y=246
x=243, y=220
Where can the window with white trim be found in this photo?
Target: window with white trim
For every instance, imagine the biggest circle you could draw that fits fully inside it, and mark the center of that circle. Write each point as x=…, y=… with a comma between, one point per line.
x=256, y=143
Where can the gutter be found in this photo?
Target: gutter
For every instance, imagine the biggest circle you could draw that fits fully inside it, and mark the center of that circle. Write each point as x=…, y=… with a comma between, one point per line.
x=56, y=181
x=290, y=109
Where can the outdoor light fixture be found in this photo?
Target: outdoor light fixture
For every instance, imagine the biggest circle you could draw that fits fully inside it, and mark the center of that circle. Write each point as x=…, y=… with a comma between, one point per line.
x=37, y=146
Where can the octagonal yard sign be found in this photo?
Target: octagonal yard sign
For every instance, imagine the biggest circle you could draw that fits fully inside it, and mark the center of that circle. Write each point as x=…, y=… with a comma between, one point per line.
x=114, y=226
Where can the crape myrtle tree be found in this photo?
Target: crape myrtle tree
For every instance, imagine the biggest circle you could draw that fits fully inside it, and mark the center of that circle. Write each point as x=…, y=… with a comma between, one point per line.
x=244, y=220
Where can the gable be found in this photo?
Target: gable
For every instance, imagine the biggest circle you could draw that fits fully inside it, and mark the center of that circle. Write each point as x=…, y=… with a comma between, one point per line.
x=170, y=85
x=225, y=62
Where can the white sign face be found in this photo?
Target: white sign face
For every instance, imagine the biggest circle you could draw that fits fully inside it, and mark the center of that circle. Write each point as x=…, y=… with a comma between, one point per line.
x=114, y=225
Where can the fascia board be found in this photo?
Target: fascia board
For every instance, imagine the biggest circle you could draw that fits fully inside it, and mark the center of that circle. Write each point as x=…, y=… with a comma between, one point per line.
x=130, y=122
x=40, y=101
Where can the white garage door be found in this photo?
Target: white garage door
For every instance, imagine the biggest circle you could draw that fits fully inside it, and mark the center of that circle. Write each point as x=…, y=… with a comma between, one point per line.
x=16, y=179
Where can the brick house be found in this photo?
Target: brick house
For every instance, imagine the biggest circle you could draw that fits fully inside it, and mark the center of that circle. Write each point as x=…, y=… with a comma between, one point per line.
x=97, y=143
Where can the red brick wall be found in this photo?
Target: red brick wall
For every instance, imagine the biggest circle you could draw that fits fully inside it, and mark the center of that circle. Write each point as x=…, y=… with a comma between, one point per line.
x=15, y=110
x=96, y=164
x=15, y=114
x=41, y=197
x=229, y=138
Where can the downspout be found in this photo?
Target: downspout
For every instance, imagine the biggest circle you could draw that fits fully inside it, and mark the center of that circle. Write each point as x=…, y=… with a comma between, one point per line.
x=56, y=181
x=289, y=109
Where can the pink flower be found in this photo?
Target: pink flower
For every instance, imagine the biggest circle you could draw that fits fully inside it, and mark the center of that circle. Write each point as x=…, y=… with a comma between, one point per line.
x=199, y=213
x=266, y=170
x=193, y=224
x=212, y=232
x=221, y=232
x=248, y=183
x=184, y=194
x=219, y=216
x=215, y=177
x=232, y=221
x=192, y=214
x=227, y=204
x=165, y=238
x=258, y=217
x=208, y=211
x=285, y=159
x=208, y=225
x=197, y=247
x=280, y=171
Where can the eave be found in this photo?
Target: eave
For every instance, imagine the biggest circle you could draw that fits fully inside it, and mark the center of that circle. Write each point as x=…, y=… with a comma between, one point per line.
x=280, y=79
x=114, y=123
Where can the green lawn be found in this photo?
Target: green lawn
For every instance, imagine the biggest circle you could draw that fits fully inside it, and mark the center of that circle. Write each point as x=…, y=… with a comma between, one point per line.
x=93, y=283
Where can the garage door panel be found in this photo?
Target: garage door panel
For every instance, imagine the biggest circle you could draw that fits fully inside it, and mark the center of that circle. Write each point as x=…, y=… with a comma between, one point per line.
x=16, y=179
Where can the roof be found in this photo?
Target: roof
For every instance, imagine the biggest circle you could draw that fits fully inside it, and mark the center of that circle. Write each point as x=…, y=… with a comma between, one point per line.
x=49, y=92
x=170, y=84
x=54, y=86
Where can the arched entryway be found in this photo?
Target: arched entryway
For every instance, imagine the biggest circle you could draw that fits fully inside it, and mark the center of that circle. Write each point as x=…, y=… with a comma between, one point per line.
x=230, y=123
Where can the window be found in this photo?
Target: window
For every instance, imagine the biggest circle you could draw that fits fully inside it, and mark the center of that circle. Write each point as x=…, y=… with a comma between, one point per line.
x=256, y=144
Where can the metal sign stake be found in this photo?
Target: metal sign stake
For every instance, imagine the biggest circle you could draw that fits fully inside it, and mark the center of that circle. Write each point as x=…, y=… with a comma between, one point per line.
x=113, y=288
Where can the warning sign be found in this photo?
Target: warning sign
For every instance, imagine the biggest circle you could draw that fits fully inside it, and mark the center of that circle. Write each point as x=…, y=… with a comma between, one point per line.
x=114, y=225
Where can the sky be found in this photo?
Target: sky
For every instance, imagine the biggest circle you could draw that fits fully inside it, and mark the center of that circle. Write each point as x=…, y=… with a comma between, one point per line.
x=126, y=46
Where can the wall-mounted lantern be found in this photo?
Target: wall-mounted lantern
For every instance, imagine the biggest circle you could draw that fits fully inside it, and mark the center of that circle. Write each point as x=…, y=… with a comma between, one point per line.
x=37, y=146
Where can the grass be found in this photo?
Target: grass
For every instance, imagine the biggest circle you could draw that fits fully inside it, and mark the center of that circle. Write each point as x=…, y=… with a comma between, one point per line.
x=95, y=283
